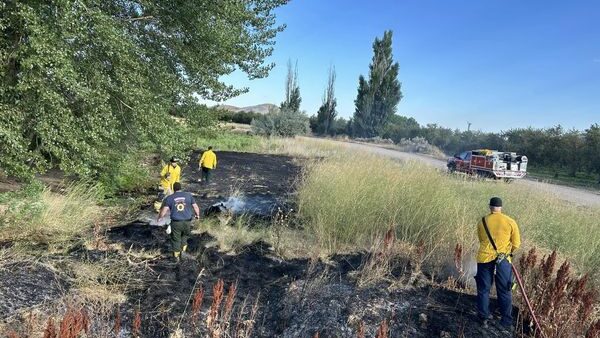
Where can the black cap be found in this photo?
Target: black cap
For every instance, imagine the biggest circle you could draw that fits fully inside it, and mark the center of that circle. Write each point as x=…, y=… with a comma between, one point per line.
x=174, y=159
x=495, y=202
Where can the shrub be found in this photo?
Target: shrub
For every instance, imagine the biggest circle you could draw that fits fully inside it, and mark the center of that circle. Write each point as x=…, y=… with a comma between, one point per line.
x=283, y=122
x=419, y=145
x=128, y=174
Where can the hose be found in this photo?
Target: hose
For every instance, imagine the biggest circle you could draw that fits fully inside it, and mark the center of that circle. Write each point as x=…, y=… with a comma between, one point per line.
x=535, y=320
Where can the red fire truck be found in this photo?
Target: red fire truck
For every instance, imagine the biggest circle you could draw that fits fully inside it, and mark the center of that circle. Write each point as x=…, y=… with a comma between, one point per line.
x=489, y=163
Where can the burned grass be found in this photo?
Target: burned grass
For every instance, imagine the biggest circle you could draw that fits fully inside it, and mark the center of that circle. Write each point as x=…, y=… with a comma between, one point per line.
x=251, y=291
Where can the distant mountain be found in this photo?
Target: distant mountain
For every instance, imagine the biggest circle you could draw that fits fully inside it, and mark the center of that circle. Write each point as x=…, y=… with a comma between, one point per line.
x=259, y=108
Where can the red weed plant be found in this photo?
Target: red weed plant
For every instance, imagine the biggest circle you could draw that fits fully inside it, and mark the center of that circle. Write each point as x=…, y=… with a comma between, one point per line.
x=74, y=322
x=458, y=255
x=216, y=303
x=389, y=239
x=30, y=323
x=563, y=303
x=197, y=304
x=12, y=334
x=137, y=323
x=50, y=331
x=360, y=333
x=117, y=326
x=594, y=330
x=383, y=330
x=229, y=300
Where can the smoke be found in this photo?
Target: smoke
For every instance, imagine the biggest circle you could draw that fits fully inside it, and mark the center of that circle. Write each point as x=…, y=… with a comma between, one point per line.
x=258, y=205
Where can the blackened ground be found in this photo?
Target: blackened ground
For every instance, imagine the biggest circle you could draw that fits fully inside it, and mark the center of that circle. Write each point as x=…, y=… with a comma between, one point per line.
x=297, y=297
x=255, y=176
x=27, y=284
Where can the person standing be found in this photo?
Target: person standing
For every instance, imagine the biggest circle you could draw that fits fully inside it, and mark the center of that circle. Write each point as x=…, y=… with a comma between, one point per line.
x=498, y=237
x=170, y=174
x=208, y=162
x=182, y=208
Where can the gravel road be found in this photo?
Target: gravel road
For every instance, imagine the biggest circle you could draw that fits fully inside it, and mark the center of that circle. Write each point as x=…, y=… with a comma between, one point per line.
x=574, y=195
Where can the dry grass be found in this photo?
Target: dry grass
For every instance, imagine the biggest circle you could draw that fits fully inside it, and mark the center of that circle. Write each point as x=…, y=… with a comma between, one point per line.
x=52, y=218
x=344, y=206
x=103, y=284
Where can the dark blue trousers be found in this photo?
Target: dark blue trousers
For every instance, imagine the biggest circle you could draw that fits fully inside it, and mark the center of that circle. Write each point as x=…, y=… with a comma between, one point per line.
x=485, y=279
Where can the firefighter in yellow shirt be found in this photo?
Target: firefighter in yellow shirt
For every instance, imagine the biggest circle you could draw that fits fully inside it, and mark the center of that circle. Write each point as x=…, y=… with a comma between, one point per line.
x=170, y=174
x=498, y=237
x=208, y=162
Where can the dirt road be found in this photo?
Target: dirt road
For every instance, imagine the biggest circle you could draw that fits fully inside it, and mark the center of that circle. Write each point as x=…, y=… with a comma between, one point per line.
x=570, y=194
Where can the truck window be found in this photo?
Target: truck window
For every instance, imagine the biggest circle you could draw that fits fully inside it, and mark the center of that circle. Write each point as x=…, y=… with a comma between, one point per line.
x=463, y=155
x=468, y=156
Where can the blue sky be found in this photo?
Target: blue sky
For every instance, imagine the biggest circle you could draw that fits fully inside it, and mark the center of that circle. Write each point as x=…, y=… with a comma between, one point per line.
x=498, y=64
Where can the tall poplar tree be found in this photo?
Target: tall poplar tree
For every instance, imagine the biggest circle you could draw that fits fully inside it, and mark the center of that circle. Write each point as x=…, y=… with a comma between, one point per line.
x=327, y=112
x=378, y=96
x=292, y=90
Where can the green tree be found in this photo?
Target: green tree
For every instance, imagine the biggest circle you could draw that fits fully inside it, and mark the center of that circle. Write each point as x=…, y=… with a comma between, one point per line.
x=592, y=148
x=400, y=127
x=85, y=82
x=572, y=151
x=292, y=90
x=327, y=113
x=378, y=97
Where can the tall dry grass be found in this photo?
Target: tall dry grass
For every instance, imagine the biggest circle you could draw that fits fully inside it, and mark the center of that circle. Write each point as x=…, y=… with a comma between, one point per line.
x=348, y=200
x=48, y=217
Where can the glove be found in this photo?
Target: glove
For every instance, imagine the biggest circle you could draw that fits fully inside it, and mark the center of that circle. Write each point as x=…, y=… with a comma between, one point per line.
x=168, y=231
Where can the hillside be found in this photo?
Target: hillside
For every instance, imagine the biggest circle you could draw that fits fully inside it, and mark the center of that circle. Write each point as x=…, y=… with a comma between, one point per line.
x=259, y=108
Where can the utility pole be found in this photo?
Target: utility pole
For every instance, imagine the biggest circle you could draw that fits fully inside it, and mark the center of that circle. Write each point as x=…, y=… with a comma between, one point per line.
x=468, y=126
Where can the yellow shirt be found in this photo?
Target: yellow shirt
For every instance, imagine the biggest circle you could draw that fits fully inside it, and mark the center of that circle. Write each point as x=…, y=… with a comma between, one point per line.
x=174, y=176
x=208, y=159
x=505, y=233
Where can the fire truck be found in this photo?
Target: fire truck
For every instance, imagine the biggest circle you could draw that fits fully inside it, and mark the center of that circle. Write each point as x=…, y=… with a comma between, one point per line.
x=489, y=164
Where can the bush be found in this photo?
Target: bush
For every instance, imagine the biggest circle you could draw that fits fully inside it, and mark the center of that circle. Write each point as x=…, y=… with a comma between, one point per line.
x=283, y=123
x=419, y=145
x=129, y=174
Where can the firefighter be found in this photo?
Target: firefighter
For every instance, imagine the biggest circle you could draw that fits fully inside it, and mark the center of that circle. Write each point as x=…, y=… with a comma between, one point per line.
x=182, y=208
x=170, y=174
x=498, y=237
x=208, y=162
